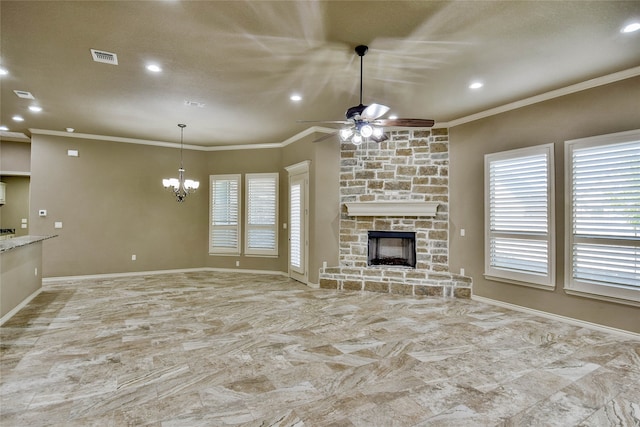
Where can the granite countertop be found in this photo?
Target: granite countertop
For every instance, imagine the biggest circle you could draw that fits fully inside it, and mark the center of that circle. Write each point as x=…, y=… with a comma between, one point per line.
x=16, y=242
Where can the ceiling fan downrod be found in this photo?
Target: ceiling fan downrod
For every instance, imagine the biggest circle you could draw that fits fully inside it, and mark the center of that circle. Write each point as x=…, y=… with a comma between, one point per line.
x=361, y=50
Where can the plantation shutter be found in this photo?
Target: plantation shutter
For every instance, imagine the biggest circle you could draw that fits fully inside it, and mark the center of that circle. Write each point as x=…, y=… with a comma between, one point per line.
x=261, y=222
x=295, y=215
x=225, y=214
x=519, y=215
x=605, y=197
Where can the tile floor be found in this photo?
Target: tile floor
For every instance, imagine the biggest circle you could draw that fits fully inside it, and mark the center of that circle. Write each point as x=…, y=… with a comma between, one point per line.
x=230, y=349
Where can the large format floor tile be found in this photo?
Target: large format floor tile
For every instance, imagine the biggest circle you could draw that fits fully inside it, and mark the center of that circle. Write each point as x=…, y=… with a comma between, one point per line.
x=213, y=349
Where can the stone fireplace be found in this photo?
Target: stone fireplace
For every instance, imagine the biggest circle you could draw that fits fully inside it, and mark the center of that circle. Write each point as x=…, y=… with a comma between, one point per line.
x=400, y=188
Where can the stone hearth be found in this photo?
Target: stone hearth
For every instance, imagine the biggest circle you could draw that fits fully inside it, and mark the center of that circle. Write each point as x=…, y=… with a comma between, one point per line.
x=410, y=168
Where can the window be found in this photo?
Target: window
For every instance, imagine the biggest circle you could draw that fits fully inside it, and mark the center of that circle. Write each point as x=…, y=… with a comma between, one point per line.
x=519, y=226
x=224, y=231
x=262, y=214
x=603, y=216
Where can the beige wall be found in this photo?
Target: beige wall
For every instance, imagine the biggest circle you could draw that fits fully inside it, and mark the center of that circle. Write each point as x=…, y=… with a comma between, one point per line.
x=606, y=109
x=324, y=202
x=15, y=157
x=112, y=205
x=15, y=166
x=17, y=206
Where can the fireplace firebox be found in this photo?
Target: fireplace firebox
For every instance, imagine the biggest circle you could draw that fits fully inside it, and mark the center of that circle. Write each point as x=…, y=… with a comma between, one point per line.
x=392, y=248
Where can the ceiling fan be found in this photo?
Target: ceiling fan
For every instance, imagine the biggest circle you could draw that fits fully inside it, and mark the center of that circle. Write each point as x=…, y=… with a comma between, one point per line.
x=364, y=122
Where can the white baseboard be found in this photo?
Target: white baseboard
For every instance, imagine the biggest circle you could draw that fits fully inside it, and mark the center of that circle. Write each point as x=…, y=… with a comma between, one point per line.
x=20, y=306
x=564, y=319
x=52, y=280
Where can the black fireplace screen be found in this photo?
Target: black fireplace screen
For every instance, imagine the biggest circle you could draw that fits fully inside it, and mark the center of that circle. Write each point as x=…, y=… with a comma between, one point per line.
x=393, y=248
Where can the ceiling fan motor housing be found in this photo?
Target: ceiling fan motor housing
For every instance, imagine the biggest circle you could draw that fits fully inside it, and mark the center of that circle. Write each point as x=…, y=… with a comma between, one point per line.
x=355, y=111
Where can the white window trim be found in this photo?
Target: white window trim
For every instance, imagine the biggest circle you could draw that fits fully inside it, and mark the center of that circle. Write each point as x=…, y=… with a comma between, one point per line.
x=548, y=281
x=247, y=227
x=582, y=288
x=225, y=251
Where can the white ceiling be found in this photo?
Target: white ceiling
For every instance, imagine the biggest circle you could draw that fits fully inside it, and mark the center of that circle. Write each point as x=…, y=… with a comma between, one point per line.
x=243, y=59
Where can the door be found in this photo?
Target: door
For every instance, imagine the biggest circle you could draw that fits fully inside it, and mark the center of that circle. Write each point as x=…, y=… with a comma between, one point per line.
x=298, y=224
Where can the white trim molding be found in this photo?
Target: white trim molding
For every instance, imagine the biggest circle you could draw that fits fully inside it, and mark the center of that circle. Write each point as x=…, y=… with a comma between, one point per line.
x=392, y=208
x=20, y=306
x=564, y=319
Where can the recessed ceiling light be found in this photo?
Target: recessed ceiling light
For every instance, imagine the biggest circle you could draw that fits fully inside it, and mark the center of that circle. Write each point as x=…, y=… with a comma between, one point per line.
x=70, y=130
x=635, y=26
x=35, y=108
x=154, y=68
x=295, y=97
x=3, y=128
x=476, y=85
x=393, y=117
x=18, y=118
x=3, y=71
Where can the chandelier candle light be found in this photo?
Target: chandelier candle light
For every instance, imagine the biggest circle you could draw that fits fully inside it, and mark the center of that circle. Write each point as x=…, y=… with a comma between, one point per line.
x=179, y=186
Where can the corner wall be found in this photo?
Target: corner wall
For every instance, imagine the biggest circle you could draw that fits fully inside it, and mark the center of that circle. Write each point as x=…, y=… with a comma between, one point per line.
x=112, y=205
x=601, y=110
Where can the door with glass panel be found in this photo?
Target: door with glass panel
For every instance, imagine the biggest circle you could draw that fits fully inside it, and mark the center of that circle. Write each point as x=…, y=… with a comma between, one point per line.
x=298, y=226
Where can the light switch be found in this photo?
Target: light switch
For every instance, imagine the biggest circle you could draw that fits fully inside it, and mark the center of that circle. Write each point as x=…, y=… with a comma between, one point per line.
x=23, y=225
x=57, y=224
x=72, y=153
x=24, y=220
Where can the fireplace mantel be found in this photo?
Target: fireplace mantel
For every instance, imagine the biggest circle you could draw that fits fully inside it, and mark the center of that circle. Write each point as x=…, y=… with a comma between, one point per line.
x=392, y=208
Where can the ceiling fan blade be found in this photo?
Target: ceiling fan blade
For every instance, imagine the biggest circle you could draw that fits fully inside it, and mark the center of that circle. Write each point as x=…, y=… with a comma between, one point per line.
x=342, y=122
x=325, y=137
x=374, y=111
x=409, y=123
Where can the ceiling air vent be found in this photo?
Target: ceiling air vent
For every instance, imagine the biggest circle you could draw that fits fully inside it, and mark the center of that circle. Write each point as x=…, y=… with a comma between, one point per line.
x=23, y=94
x=106, y=57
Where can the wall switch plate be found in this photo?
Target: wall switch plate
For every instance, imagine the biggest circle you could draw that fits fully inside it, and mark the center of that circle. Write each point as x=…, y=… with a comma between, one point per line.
x=133, y=257
x=23, y=225
x=42, y=212
x=462, y=232
x=57, y=224
x=72, y=153
x=237, y=263
x=24, y=220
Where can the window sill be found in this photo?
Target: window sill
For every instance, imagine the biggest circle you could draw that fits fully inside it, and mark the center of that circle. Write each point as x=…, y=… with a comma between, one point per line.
x=260, y=255
x=519, y=282
x=601, y=297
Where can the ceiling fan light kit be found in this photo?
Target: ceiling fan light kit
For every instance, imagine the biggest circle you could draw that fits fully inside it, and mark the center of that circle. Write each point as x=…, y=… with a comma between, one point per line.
x=364, y=121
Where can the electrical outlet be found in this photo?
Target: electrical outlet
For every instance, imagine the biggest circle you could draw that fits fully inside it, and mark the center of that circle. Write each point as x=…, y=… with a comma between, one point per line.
x=57, y=224
x=133, y=257
x=237, y=263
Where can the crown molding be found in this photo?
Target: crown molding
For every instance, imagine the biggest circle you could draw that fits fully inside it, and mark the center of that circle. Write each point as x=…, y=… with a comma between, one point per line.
x=589, y=84
x=284, y=143
x=578, y=87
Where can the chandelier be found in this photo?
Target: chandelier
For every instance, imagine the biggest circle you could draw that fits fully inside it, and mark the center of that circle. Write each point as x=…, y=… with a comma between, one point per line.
x=179, y=186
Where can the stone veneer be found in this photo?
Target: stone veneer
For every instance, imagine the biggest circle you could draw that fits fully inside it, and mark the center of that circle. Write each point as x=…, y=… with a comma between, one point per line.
x=409, y=166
